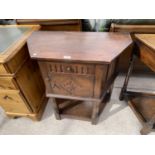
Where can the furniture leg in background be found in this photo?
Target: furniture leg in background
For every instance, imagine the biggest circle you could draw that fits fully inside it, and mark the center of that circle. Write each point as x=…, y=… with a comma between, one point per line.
x=142, y=103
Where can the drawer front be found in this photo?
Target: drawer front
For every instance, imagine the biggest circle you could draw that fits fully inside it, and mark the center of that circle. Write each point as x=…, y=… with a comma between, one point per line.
x=7, y=83
x=81, y=69
x=147, y=56
x=12, y=101
x=70, y=85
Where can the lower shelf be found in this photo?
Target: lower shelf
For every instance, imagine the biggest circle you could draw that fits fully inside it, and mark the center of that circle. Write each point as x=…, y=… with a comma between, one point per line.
x=76, y=109
x=144, y=107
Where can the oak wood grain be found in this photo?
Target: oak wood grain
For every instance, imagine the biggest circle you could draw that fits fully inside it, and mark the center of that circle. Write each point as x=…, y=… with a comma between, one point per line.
x=77, y=46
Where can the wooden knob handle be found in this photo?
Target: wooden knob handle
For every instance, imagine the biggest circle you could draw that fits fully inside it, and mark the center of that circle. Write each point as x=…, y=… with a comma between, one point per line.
x=5, y=97
x=68, y=68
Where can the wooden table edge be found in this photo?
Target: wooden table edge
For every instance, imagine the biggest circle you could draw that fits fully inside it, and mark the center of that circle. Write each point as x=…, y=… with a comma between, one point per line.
x=18, y=44
x=144, y=42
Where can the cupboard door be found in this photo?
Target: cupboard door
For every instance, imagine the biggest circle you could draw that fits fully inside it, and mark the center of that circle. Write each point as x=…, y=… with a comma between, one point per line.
x=71, y=85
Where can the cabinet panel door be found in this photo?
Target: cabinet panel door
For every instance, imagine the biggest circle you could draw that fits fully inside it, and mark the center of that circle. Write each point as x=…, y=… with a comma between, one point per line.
x=31, y=84
x=71, y=85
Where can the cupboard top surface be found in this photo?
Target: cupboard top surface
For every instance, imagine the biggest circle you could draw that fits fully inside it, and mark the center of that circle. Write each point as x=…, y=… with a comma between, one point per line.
x=77, y=46
x=12, y=38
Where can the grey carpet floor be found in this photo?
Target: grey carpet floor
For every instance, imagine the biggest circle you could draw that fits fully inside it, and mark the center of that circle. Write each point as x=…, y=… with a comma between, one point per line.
x=116, y=119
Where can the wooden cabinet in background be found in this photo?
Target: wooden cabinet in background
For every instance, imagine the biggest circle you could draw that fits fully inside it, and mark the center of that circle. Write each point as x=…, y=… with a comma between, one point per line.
x=142, y=103
x=125, y=56
x=54, y=24
x=22, y=91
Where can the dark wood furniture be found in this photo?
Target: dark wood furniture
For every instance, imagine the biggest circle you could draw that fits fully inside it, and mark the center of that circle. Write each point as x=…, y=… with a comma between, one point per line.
x=21, y=85
x=125, y=56
x=78, y=69
x=143, y=104
x=54, y=24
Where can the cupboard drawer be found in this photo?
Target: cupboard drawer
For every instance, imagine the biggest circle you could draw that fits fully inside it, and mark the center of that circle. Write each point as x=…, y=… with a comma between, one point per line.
x=7, y=83
x=12, y=101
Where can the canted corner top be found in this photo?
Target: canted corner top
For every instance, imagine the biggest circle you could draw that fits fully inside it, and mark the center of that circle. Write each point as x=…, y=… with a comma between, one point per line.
x=101, y=47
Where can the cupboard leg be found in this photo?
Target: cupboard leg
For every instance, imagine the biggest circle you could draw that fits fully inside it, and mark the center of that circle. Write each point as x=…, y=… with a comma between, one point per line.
x=145, y=130
x=95, y=113
x=109, y=93
x=124, y=88
x=56, y=109
x=148, y=126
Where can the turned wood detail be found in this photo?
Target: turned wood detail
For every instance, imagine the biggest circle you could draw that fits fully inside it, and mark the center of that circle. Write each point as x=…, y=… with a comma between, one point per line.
x=69, y=86
x=70, y=68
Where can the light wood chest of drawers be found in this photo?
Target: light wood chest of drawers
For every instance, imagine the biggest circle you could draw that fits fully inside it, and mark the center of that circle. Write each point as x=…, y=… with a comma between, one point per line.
x=21, y=85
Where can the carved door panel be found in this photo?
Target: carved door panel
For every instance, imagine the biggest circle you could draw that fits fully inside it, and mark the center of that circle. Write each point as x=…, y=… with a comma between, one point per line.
x=72, y=85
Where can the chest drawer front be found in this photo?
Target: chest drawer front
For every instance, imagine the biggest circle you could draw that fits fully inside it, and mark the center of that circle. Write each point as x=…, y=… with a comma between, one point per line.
x=7, y=83
x=147, y=56
x=81, y=69
x=70, y=85
x=12, y=101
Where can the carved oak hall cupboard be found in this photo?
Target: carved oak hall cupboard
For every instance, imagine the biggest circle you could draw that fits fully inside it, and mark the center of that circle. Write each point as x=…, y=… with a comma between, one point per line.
x=78, y=69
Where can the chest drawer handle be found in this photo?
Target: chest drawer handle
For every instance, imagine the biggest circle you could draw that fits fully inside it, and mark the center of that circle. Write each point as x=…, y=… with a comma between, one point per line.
x=7, y=97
